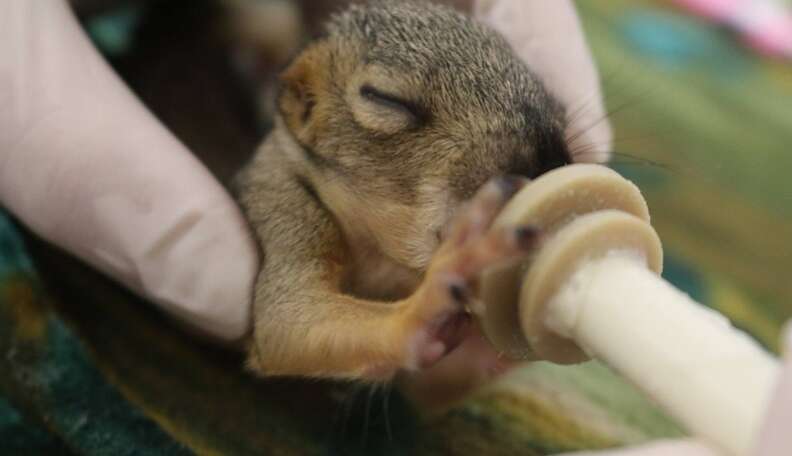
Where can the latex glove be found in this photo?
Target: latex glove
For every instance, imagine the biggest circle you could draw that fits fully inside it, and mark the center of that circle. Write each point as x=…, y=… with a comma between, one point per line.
x=774, y=439
x=549, y=38
x=87, y=167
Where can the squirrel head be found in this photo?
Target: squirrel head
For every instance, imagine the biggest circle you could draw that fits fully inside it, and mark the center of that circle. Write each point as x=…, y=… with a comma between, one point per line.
x=401, y=110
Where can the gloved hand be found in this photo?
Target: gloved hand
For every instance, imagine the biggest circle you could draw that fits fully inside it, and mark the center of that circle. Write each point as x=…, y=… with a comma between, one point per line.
x=549, y=38
x=774, y=439
x=87, y=167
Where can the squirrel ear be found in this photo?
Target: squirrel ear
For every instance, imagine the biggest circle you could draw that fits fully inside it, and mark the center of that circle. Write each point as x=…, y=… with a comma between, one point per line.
x=300, y=83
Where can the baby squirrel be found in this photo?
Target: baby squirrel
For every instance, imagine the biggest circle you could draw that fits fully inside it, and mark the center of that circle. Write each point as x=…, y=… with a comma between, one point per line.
x=372, y=196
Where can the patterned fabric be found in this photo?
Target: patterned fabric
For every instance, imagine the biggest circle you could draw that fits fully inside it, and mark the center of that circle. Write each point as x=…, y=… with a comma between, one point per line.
x=703, y=128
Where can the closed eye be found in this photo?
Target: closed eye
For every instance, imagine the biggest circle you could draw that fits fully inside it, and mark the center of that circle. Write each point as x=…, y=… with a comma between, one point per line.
x=417, y=112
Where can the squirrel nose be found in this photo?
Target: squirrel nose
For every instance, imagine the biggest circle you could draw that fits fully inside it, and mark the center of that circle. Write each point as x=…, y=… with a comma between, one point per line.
x=552, y=152
x=555, y=160
x=533, y=165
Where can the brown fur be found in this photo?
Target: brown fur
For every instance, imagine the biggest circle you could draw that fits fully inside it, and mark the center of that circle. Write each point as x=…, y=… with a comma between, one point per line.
x=385, y=126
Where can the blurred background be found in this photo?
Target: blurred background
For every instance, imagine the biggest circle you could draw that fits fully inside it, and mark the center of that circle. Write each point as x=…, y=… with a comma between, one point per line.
x=700, y=96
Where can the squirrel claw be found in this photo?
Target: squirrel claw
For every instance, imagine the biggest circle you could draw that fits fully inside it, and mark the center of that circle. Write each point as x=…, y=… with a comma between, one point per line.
x=449, y=292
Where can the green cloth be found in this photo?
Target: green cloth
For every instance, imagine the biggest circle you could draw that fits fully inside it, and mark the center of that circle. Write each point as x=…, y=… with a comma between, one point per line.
x=87, y=368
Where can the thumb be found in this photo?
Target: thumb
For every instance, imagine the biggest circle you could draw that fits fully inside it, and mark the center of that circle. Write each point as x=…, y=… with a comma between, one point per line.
x=775, y=438
x=87, y=167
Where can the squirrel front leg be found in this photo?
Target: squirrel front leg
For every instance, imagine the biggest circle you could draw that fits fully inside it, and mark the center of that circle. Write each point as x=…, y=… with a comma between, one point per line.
x=306, y=326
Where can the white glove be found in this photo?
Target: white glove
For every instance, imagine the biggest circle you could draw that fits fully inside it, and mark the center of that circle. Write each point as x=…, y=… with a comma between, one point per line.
x=549, y=38
x=87, y=167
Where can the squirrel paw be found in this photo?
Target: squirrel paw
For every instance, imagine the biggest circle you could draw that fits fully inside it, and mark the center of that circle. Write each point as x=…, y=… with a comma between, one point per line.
x=439, y=319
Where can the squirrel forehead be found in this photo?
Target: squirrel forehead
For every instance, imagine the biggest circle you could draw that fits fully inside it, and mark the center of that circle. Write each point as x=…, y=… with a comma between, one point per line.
x=440, y=48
